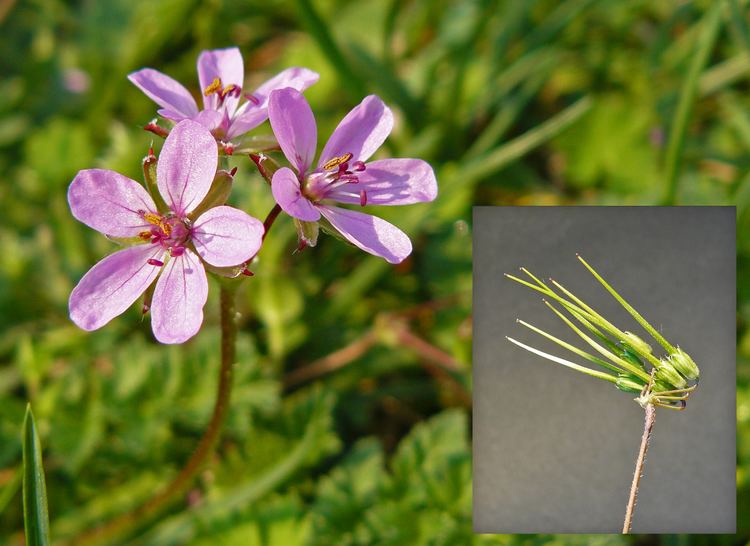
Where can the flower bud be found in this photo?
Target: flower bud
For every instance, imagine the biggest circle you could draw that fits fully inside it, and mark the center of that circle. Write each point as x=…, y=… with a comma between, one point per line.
x=666, y=372
x=629, y=383
x=684, y=364
x=637, y=343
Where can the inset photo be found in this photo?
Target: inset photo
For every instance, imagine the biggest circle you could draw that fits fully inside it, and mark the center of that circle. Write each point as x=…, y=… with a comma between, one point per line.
x=604, y=370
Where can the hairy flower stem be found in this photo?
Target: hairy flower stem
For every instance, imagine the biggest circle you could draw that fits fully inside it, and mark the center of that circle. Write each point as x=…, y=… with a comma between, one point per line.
x=127, y=523
x=270, y=219
x=648, y=426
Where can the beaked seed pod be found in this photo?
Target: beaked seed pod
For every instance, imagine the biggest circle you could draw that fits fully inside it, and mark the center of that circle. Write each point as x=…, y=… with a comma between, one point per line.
x=666, y=372
x=684, y=364
x=637, y=343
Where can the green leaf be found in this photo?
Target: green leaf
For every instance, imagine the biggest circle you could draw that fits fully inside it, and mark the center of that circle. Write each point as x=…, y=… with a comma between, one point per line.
x=36, y=519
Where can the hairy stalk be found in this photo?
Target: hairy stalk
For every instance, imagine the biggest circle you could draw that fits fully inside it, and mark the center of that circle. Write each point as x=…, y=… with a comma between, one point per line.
x=270, y=219
x=128, y=522
x=648, y=426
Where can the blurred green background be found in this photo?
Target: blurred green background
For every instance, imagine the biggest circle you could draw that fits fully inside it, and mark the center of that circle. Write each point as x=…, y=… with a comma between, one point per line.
x=350, y=417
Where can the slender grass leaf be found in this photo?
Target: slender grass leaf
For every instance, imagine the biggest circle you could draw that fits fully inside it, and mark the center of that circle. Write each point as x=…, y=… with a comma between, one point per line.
x=36, y=519
x=711, y=23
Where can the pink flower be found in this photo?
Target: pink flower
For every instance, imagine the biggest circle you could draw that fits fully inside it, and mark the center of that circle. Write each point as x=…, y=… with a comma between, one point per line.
x=342, y=176
x=221, y=76
x=120, y=207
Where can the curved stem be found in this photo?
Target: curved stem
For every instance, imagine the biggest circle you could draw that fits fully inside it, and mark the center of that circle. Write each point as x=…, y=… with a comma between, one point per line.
x=270, y=219
x=648, y=426
x=128, y=522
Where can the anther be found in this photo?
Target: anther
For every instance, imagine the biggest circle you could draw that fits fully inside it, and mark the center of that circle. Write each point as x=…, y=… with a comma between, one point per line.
x=358, y=166
x=145, y=235
x=233, y=171
x=362, y=198
x=213, y=87
x=336, y=161
x=154, y=262
x=177, y=251
x=230, y=89
x=247, y=272
x=252, y=98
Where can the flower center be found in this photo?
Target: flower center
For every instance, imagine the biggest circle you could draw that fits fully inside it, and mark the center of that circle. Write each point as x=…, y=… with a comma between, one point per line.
x=170, y=232
x=216, y=87
x=335, y=175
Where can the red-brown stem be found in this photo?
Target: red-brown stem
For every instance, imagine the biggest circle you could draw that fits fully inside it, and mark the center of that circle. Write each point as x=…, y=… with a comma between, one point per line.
x=270, y=219
x=648, y=426
x=122, y=525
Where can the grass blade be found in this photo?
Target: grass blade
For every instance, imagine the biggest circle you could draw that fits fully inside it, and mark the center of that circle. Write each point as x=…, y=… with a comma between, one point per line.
x=711, y=23
x=36, y=519
x=520, y=146
x=319, y=30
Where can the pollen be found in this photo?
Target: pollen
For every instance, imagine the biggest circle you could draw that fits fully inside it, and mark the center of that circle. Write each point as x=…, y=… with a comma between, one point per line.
x=336, y=161
x=227, y=90
x=152, y=218
x=214, y=87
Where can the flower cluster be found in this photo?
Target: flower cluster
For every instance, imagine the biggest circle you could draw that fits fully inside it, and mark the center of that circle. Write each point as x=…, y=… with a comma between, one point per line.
x=178, y=226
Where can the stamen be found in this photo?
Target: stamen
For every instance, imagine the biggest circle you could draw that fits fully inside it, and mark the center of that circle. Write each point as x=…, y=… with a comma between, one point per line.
x=177, y=251
x=145, y=235
x=247, y=272
x=154, y=262
x=233, y=171
x=362, y=198
x=252, y=98
x=336, y=161
x=152, y=218
x=213, y=88
x=230, y=89
x=358, y=166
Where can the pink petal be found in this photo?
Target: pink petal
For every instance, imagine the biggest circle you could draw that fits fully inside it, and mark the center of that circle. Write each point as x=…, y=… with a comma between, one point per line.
x=361, y=132
x=164, y=91
x=225, y=64
x=225, y=236
x=109, y=202
x=179, y=297
x=293, y=124
x=187, y=165
x=370, y=233
x=253, y=113
x=171, y=115
x=112, y=285
x=287, y=193
x=210, y=119
x=391, y=182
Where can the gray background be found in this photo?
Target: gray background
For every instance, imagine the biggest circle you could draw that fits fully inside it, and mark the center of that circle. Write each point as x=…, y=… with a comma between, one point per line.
x=554, y=449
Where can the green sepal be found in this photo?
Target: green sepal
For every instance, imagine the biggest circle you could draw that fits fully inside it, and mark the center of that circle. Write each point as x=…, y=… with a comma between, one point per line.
x=225, y=272
x=307, y=232
x=627, y=354
x=629, y=383
x=684, y=364
x=149, y=175
x=266, y=165
x=667, y=373
x=217, y=195
x=640, y=346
